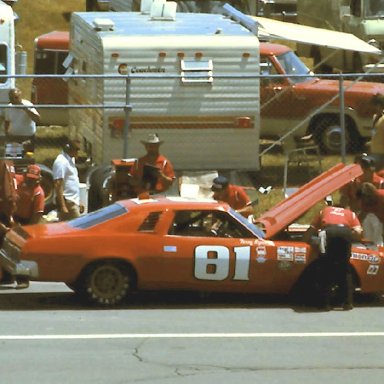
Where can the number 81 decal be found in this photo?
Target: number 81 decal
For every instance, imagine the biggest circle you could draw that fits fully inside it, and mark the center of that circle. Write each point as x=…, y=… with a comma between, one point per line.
x=212, y=262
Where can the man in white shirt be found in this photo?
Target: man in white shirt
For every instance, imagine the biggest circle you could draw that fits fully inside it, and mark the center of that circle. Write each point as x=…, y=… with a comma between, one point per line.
x=66, y=181
x=20, y=123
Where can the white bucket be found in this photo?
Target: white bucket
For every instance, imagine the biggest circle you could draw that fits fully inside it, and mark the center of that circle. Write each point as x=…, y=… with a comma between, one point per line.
x=84, y=196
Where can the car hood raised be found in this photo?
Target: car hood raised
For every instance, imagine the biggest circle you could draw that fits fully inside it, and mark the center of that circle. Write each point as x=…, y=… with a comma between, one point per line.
x=290, y=209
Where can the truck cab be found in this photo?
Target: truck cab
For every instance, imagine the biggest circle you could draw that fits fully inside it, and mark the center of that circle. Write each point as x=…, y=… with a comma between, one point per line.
x=295, y=102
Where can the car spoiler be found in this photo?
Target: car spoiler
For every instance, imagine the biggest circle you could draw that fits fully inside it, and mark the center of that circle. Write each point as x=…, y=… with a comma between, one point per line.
x=290, y=209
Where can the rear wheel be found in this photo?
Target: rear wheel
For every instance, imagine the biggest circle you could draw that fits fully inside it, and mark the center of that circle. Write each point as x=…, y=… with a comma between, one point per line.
x=106, y=283
x=328, y=134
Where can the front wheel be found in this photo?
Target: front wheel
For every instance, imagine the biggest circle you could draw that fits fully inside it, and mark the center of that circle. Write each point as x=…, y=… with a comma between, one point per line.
x=106, y=283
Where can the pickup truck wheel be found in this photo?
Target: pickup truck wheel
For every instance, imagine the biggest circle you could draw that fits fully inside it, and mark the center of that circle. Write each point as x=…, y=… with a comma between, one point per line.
x=328, y=136
x=106, y=283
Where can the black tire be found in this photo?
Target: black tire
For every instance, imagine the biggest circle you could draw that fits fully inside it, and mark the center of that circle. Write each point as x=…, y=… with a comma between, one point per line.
x=307, y=290
x=96, y=179
x=105, y=283
x=48, y=186
x=327, y=134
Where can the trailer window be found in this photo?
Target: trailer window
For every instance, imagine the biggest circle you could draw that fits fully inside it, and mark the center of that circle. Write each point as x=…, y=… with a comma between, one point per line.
x=3, y=62
x=196, y=72
x=50, y=62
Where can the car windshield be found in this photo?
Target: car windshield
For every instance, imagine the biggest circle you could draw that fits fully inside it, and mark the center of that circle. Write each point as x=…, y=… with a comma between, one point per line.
x=97, y=217
x=255, y=230
x=374, y=9
x=292, y=65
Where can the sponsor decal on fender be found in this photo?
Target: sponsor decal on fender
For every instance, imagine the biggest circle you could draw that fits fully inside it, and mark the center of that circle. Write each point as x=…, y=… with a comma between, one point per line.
x=372, y=259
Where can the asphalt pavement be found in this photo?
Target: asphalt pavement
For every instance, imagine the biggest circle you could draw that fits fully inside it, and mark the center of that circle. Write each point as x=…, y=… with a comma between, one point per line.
x=48, y=336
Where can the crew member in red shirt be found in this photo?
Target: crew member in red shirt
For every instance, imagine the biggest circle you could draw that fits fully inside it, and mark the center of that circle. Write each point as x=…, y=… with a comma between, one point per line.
x=30, y=197
x=371, y=212
x=337, y=227
x=233, y=195
x=348, y=192
x=153, y=173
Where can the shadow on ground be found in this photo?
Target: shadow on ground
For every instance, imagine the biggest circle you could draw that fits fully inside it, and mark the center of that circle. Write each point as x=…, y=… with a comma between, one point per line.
x=12, y=300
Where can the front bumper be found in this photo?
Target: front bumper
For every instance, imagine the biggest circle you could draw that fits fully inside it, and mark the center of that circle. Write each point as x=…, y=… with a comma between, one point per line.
x=22, y=268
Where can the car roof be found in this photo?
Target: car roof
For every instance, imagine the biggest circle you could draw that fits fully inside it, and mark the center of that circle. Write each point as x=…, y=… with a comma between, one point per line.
x=290, y=209
x=172, y=202
x=273, y=49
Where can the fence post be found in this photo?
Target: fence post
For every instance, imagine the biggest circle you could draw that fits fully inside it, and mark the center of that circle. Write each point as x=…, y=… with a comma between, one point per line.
x=127, y=109
x=342, y=119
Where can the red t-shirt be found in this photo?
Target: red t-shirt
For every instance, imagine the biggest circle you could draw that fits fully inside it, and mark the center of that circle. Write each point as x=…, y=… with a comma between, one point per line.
x=234, y=196
x=351, y=188
x=336, y=216
x=162, y=163
x=30, y=199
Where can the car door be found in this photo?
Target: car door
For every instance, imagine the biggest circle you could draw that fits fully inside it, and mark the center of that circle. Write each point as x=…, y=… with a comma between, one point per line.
x=202, y=256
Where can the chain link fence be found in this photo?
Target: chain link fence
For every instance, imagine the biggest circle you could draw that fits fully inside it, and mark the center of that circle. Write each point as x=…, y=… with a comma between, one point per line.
x=306, y=123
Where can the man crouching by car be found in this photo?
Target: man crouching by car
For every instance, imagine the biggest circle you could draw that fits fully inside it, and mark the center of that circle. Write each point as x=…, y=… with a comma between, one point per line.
x=337, y=228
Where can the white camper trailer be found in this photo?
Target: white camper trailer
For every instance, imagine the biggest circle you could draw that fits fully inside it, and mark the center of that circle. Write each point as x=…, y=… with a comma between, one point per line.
x=207, y=120
x=7, y=50
x=11, y=61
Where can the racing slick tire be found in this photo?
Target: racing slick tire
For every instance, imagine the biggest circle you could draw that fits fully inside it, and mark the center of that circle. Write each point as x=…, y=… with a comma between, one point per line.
x=97, y=179
x=308, y=289
x=105, y=283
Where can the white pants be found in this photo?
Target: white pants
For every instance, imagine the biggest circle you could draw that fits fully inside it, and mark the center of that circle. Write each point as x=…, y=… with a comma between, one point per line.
x=373, y=229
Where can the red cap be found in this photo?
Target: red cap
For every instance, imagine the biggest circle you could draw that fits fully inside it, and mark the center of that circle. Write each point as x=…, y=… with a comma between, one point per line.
x=33, y=171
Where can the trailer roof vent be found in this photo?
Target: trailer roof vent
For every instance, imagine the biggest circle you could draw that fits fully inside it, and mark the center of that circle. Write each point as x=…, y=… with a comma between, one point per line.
x=164, y=10
x=103, y=25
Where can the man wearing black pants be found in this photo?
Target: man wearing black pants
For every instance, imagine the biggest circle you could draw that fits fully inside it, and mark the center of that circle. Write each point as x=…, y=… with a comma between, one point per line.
x=337, y=228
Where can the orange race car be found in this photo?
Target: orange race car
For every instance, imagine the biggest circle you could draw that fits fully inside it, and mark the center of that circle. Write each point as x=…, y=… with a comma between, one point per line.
x=179, y=244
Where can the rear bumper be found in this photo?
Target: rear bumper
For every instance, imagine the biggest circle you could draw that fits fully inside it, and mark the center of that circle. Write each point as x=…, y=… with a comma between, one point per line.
x=23, y=268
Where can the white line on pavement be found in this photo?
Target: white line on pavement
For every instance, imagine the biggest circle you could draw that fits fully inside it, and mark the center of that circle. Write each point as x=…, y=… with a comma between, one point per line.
x=189, y=335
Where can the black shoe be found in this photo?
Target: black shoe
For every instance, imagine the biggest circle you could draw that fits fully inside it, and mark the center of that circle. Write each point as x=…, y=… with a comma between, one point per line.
x=347, y=307
x=22, y=283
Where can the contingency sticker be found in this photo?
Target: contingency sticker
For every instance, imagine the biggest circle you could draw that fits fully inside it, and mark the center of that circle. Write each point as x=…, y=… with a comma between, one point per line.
x=285, y=253
x=372, y=259
x=261, y=253
x=300, y=255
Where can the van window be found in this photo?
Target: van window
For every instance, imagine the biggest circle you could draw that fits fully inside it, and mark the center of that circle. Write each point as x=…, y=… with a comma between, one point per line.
x=3, y=62
x=196, y=71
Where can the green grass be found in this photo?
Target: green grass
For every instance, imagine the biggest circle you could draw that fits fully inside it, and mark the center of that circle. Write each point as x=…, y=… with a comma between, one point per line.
x=42, y=16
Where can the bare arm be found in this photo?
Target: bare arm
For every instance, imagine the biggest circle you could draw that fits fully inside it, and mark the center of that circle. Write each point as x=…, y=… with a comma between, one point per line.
x=59, y=190
x=33, y=115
